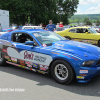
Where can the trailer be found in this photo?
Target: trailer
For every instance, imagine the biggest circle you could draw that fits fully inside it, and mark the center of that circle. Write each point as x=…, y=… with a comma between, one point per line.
x=4, y=18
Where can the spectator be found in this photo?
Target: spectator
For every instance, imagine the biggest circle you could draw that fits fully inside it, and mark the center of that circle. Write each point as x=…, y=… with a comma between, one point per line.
x=50, y=26
x=26, y=24
x=0, y=28
x=57, y=25
x=61, y=24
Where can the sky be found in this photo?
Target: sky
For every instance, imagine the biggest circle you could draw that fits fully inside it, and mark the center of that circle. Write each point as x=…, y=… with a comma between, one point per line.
x=88, y=7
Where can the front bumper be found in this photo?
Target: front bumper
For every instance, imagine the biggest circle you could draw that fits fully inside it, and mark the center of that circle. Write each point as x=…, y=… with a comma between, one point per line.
x=85, y=74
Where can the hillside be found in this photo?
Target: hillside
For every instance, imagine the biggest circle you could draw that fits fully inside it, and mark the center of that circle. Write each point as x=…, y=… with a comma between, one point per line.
x=82, y=16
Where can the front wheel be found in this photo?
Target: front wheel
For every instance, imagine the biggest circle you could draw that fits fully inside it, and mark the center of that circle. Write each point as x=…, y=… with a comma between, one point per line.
x=2, y=59
x=62, y=72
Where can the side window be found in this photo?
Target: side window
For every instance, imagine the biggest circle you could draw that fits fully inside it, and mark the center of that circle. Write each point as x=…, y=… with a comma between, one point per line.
x=21, y=37
x=86, y=30
x=80, y=30
x=72, y=30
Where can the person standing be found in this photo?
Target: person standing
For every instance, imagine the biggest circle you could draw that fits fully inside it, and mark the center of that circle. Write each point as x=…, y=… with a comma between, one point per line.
x=61, y=24
x=57, y=25
x=0, y=28
x=50, y=26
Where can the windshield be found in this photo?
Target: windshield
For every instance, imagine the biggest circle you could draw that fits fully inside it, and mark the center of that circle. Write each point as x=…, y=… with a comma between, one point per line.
x=47, y=37
x=92, y=30
x=60, y=29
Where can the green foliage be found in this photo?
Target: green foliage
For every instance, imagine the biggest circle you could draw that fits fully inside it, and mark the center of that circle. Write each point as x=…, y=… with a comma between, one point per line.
x=88, y=19
x=97, y=22
x=67, y=8
x=39, y=11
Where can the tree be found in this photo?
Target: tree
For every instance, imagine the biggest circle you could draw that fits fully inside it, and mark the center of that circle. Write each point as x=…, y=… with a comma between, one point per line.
x=69, y=7
x=39, y=11
x=87, y=21
x=97, y=22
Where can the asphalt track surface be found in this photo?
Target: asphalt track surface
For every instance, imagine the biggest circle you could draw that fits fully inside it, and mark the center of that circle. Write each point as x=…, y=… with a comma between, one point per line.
x=21, y=84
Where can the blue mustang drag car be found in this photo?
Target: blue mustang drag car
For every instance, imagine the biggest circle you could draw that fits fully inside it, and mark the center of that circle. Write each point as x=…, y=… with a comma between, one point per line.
x=46, y=52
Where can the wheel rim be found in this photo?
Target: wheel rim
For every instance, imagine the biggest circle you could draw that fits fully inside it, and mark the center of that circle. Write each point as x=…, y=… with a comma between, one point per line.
x=1, y=56
x=61, y=71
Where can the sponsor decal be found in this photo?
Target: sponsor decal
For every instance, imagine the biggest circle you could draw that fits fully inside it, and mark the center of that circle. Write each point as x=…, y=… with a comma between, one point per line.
x=83, y=71
x=61, y=45
x=29, y=65
x=66, y=55
x=16, y=65
x=8, y=62
x=74, y=58
x=80, y=77
x=7, y=57
x=44, y=45
x=27, y=68
x=55, y=53
x=70, y=56
x=28, y=56
x=40, y=58
x=82, y=74
x=34, y=70
x=22, y=62
x=28, y=62
x=41, y=72
x=14, y=60
x=12, y=63
x=35, y=65
x=44, y=68
x=21, y=66
x=4, y=50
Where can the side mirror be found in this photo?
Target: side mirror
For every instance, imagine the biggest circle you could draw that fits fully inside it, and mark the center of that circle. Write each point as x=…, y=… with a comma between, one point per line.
x=29, y=43
x=86, y=32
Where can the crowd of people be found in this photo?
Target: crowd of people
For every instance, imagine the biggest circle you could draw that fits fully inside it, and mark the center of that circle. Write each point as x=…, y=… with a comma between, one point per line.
x=50, y=26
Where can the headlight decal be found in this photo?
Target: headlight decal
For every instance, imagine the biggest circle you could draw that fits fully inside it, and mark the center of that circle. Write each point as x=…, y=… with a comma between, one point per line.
x=88, y=63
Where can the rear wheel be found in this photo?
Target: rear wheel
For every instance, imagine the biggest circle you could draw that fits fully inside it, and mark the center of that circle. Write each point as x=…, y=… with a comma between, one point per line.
x=2, y=59
x=62, y=72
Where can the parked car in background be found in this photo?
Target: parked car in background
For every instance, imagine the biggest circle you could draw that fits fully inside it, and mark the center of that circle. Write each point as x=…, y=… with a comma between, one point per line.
x=61, y=28
x=11, y=28
x=81, y=34
x=31, y=27
x=97, y=28
x=66, y=27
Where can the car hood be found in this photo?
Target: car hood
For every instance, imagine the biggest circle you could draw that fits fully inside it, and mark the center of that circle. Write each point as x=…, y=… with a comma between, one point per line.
x=78, y=48
x=97, y=34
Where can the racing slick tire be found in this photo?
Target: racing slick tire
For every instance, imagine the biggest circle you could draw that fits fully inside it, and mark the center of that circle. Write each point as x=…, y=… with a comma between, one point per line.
x=62, y=72
x=68, y=38
x=2, y=59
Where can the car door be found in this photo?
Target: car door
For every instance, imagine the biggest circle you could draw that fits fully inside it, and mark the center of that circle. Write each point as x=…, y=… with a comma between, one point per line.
x=83, y=35
x=25, y=54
